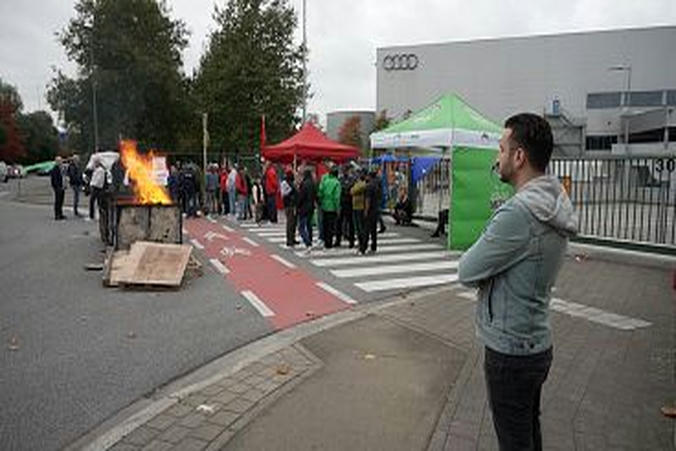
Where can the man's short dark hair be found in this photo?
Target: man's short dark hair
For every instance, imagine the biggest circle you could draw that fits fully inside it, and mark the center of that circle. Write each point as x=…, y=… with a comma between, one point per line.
x=534, y=135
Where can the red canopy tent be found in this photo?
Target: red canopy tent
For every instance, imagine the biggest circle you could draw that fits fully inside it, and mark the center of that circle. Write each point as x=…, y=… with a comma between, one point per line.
x=309, y=144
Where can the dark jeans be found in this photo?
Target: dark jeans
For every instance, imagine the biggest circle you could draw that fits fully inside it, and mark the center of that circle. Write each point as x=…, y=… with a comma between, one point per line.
x=93, y=200
x=329, y=225
x=272, y=207
x=305, y=229
x=359, y=228
x=370, y=232
x=76, y=199
x=345, y=226
x=514, y=385
x=59, y=195
x=290, y=225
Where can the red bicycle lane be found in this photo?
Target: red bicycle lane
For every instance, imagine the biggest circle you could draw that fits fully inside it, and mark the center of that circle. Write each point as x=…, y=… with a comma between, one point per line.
x=289, y=295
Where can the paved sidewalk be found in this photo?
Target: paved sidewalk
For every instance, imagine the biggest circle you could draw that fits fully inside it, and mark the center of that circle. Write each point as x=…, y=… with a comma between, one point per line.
x=408, y=375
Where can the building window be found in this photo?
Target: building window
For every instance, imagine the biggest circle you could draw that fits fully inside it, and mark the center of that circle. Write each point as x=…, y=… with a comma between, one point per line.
x=671, y=97
x=600, y=142
x=600, y=100
x=645, y=98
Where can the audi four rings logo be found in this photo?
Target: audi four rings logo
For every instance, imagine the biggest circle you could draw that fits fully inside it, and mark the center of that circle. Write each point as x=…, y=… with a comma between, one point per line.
x=403, y=61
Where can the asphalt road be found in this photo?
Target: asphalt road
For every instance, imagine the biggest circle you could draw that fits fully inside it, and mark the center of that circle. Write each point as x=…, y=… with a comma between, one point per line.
x=84, y=351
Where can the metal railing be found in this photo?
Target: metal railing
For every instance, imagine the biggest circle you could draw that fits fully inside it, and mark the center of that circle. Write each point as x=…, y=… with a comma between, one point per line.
x=622, y=198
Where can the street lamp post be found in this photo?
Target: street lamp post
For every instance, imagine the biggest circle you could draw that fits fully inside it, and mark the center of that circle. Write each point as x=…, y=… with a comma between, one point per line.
x=625, y=68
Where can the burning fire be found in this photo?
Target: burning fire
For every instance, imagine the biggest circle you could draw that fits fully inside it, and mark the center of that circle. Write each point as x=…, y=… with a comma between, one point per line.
x=140, y=171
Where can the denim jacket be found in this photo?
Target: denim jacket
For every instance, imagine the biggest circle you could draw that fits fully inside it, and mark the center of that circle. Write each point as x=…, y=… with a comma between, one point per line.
x=514, y=265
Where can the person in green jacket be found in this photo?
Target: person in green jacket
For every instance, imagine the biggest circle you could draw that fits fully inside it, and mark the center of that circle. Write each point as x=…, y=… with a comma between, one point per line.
x=328, y=196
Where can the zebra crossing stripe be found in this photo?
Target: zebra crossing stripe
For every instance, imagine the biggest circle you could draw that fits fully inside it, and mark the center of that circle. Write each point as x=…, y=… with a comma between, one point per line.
x=365, y=260
x=394, y=269
x=220, y=267
x=336, y=252
x=227, y=229
x=407, y=282
x=397, y=241
x=257, y=303
x=284, y=262
x=339, y=294
x=596, y=315
x=270, y=233
x=253, y=225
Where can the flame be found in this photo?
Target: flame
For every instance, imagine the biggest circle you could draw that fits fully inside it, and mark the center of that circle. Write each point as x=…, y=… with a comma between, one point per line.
x=140, y=171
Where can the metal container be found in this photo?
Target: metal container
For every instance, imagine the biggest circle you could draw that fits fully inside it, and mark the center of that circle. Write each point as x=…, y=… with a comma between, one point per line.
x=131, y=221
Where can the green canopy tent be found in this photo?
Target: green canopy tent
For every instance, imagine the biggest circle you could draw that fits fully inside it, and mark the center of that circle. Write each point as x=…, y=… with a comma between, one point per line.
x=453, y=128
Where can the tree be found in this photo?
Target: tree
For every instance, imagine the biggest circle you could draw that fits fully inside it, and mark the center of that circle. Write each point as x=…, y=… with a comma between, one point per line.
x=350, y=132
x=381, y=122
x=11, y=147
x=251, y=68
x=39, y=136
x=129, y=53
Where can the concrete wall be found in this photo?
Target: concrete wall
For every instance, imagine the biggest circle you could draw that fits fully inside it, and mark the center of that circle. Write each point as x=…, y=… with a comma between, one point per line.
x=504, y=76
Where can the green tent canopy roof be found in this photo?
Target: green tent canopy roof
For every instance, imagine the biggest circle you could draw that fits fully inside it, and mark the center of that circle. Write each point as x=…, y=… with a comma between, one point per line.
x=449, y=121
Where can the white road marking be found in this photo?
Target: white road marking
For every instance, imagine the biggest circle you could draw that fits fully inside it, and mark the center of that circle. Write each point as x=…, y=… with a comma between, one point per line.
x=197, y=244
x=384, y=249
x=184, y=231
x=407, y=282
x=253, y=225
x=250, y=241
x=227, y=229
x=365, y=260
x=220, y=267
x=270, y=233
x=276, y=239
x=210, y=219
x=339, y=294
x=284, y=262
x=397, y=241
x=257, y=303
x=394, y=269
x=596, y=315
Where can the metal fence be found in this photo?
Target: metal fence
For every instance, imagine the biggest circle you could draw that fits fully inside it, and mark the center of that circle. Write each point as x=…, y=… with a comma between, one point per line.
x=621, y=197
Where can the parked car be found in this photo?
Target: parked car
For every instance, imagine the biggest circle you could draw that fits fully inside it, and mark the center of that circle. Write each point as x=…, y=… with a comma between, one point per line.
x=4, y=172
x=15, y=172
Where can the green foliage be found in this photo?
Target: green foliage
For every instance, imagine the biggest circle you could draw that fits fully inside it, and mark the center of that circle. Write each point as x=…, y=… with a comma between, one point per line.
x=350, y=132
x=11, y=147
x=129, y=51
x=39, y=137
x=381, y=122
x=251, y=68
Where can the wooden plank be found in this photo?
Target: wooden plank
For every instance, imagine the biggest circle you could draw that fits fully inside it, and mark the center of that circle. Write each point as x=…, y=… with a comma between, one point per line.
x=119, y=268
x=156, y=264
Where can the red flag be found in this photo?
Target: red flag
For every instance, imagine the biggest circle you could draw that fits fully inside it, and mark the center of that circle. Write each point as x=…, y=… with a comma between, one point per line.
x=263, y=139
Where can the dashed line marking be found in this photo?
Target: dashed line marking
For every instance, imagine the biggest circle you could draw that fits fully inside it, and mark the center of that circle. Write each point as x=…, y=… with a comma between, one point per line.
x=257, y=303
x=339, y=294
x=284, y=262
x=220, y=267
x=250, y=241
x=197, y=244
x=227, y=229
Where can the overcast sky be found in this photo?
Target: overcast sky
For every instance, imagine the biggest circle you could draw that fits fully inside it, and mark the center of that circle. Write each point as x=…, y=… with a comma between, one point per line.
x=342, y=35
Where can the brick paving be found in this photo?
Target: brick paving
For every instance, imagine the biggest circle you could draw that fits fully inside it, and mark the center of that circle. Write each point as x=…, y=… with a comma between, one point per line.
x=604, y=390
x=208, y=418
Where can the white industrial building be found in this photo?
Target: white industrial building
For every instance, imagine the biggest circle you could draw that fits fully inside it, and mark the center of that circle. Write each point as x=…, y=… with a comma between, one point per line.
x=594, y=87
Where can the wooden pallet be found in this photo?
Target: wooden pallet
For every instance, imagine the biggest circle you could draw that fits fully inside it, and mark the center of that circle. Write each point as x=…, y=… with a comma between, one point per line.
x=148, y=265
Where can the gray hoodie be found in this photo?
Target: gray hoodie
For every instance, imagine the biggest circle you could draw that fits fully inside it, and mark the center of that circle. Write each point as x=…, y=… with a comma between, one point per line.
x=515, y=263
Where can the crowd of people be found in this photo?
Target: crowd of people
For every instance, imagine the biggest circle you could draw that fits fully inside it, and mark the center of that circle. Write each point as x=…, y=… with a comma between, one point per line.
x=343, y=203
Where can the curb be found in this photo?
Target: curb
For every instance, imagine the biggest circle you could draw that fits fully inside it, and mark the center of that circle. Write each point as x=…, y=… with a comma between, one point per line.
x=140, y=412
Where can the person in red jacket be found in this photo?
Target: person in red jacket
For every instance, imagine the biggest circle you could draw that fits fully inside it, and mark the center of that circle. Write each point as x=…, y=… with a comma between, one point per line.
x=271, y=187
x=242, y=192
x=223, y=182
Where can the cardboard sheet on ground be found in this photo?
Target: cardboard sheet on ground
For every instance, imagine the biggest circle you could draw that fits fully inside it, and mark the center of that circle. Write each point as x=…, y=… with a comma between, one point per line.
x=150, y=264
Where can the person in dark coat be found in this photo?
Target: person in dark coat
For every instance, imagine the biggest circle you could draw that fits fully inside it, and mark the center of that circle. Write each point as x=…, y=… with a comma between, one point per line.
x=345, y=228
x=56, y=178
x=372, y=200
x=75, y=181
x=307, y=196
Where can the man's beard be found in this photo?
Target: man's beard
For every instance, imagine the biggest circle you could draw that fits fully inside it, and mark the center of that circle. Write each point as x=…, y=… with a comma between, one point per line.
x=505, y=173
